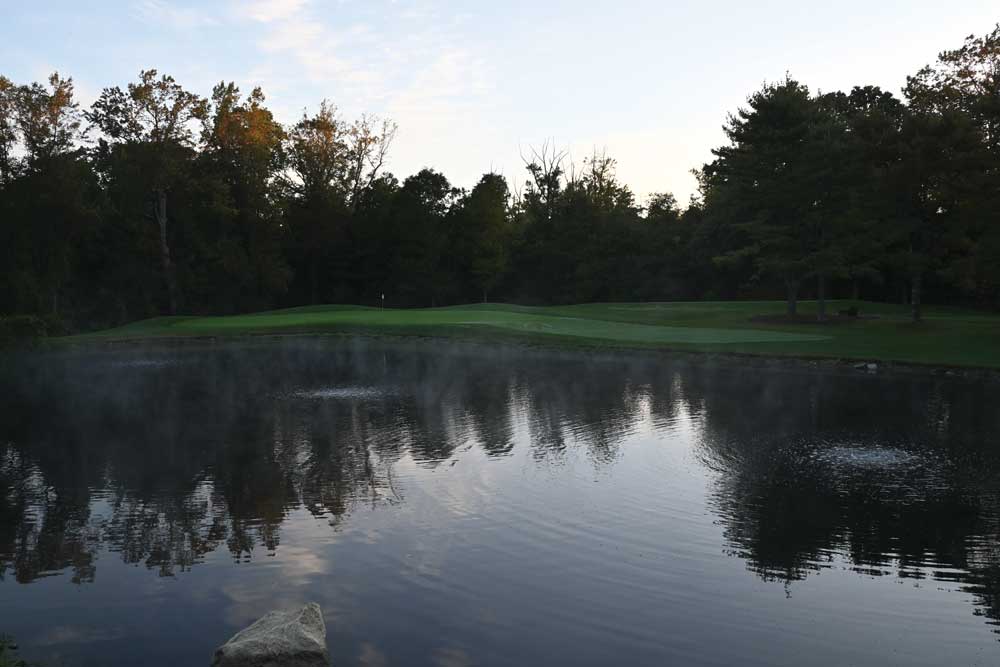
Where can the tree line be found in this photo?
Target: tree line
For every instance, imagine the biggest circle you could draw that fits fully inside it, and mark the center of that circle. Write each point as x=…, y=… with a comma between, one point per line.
x=157, y=200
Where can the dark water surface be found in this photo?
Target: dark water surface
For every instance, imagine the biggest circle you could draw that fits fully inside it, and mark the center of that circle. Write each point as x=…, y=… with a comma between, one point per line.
x=465, y=505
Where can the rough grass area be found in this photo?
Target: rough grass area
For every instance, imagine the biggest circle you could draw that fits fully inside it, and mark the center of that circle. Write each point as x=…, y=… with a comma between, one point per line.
x=947, y=337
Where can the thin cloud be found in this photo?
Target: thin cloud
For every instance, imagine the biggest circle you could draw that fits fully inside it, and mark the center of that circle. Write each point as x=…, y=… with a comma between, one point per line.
x=296, y=35
x=269, y=11
x=160, y=13
x=419, y=69
x=446, y=85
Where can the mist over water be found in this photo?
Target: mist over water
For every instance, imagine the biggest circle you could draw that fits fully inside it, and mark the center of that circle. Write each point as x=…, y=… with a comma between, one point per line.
x=460, y=504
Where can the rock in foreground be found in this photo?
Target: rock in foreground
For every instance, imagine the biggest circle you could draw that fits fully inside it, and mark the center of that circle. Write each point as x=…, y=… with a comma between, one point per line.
x=279, y=639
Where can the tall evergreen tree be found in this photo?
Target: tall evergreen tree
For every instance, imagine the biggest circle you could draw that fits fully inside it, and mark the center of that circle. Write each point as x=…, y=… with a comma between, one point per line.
x=764, y=182
x=961, y=92
x=477, y=243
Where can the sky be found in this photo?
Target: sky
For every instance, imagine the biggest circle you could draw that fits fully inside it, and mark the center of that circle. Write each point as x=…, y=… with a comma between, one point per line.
x=474, y=85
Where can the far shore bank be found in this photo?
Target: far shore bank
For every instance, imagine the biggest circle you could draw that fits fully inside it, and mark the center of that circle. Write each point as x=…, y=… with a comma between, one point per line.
x=535, y=332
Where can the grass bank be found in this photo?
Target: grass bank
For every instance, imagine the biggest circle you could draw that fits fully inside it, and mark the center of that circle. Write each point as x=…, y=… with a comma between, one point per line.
x=947, y=337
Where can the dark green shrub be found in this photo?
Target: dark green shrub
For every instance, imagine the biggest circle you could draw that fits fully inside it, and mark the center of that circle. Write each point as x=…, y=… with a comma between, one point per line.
x=8, y=654
x=22, y=330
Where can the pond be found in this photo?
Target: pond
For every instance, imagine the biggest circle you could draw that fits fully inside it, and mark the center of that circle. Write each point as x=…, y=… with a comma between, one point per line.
x=458, y=504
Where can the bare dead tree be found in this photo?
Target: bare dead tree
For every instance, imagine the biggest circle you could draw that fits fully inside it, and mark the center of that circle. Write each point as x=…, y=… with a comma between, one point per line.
x=369, y=140
x=517, y=194
x=545, y=165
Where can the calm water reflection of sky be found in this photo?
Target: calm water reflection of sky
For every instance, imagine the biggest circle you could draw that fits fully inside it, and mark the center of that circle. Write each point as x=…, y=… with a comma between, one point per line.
x=466, y=505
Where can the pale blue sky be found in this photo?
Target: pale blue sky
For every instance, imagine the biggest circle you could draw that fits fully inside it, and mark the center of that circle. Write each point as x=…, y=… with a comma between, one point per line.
x=472, y=83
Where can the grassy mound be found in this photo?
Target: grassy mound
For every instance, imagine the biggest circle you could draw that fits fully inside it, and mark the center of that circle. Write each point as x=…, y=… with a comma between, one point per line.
x=947, y=337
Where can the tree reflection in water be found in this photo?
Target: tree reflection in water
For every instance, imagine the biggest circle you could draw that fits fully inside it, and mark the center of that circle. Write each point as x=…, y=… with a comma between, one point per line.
x=164, y=456
x=890, y=476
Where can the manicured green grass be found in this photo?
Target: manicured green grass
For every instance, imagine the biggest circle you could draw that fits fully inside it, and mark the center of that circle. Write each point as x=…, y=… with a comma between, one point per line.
x=947, y=337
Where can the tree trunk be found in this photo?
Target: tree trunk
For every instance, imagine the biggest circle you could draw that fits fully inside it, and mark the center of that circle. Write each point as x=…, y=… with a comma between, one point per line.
x=855, y=290
x=484, y=297
x=821, y=297
x=793, y=296
x=916, y=286
x=314, y=280
x=168, y=266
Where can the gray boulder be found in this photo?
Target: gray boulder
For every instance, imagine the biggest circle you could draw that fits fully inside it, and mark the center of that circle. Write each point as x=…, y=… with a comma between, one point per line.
x=279, y=639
